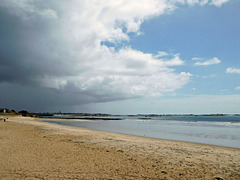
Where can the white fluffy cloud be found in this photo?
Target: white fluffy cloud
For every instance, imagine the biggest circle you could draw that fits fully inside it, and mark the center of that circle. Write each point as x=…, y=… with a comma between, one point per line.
x=62, y=47
x=233, y=70
x=212, y=61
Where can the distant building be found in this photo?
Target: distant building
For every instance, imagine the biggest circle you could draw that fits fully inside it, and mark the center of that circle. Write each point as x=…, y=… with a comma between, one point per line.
x=4, y=110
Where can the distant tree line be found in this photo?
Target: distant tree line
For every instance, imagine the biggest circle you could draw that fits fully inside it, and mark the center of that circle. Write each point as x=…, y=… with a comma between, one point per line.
x=22, y=112
x=5, y=110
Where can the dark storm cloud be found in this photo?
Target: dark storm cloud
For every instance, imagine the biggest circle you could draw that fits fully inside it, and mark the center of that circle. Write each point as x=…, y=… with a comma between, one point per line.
x=20, y=50
x=39, y=99
x=51, y=54
x=26, y=50
x=25, y=56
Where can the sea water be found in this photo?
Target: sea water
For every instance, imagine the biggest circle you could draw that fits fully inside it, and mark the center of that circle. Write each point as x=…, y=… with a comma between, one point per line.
x=216, y=130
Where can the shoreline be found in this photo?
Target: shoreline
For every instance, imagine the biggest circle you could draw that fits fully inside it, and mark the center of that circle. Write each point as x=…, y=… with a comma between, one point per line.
x=73, y=129
x=155, y=158
x=203, y=142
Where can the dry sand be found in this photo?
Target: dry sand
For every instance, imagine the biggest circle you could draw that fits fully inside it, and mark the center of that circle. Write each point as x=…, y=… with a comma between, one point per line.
x=30, y=149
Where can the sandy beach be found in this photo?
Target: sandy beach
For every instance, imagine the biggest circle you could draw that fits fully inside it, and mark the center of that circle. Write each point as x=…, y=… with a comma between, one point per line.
x=30, y=149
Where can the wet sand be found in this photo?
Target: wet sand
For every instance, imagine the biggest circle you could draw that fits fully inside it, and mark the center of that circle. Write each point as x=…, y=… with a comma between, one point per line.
x=31, y=149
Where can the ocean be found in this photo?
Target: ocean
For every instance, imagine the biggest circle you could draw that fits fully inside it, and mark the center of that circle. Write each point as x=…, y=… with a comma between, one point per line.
x=216, y=130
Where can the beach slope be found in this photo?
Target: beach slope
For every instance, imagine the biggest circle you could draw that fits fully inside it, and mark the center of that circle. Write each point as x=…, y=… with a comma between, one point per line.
x=30, y=149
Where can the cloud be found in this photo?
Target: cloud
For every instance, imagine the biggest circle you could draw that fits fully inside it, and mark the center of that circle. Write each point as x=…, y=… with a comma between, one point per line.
x=175, y=58
x=26, y=8
x=218, y=2
x=161, y=54
x=237, y=88
x=209, y=76
x=56, y=47
x=197, y=59
x=212, y=61
x=233, y=70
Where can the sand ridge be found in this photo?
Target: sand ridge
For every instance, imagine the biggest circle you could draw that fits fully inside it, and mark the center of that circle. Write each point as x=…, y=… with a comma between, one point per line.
x=30, y=149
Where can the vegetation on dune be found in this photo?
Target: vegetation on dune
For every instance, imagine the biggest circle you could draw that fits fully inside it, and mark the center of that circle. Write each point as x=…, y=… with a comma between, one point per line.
x=5, y=111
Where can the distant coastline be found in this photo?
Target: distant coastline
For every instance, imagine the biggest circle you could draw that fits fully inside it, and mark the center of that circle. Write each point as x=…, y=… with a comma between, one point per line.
x=96, y=115
x=137, y=115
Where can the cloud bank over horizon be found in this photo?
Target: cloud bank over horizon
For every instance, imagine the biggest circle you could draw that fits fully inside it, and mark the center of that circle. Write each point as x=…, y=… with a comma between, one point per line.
x=58, y=49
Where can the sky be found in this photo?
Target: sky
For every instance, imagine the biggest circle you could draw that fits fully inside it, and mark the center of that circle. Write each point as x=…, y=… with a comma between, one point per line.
x=121, y=56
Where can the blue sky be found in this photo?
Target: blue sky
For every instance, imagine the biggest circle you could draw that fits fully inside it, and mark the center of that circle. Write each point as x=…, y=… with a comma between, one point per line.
x=121, y=57
x=202, y=32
